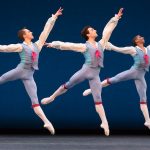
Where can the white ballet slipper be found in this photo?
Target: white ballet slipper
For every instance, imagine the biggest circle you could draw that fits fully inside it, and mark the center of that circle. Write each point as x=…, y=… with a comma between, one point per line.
x=87, y=92
x=47, y=100
x=147, y=124
x=106, y=128
x=50, y=127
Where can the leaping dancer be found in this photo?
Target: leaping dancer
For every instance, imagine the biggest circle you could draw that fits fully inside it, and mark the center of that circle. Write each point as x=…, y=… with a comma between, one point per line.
x=93, y=53
x=141, y=56
x=29, y=54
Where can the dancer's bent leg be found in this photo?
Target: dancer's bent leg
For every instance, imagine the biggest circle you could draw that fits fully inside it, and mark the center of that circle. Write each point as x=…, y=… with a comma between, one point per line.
x=75, y=79
x=96, y=88
x=31, y=89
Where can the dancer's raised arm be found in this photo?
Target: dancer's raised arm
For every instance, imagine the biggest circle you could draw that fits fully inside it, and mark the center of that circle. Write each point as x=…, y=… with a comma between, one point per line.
x=110, y=26
x=47, y=29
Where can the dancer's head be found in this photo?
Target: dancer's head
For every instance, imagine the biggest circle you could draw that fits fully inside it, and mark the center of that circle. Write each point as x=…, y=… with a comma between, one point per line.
x=25, y=34
x=88, y=32
x=138, y=39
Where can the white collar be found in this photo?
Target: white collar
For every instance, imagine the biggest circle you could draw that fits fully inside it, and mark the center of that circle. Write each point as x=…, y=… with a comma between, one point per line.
x=27, y=44
x=96, y=44
x=141, y=49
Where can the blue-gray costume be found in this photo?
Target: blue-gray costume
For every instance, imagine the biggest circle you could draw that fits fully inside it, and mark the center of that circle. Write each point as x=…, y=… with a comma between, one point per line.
x=90, y=71
x=25, y=71
x=136, y=72
x=93, y=61
x=29, y=55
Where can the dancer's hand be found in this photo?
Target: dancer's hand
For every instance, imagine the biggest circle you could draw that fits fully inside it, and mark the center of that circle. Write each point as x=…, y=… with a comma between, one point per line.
x=120, y=13
x=59, y=12
x=48, y=45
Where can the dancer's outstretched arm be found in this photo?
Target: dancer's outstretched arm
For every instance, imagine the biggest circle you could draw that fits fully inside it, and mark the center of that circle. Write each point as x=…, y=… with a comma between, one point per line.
x=11, y=48
x=110, y=26
x=47, y=29
x=77, y=47
x=125, y=50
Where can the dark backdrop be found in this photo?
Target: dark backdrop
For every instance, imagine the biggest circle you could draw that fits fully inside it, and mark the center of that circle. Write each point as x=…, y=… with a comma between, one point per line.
x=72, y=110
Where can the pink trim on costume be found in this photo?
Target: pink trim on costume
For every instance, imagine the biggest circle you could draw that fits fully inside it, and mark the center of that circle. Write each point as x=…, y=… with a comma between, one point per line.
x=35, y=105
x=97, y=54
x=34, y=55
x=64, y=86
x=143, y=102
x=108, y=82
x=98, y=103
x=146, y=58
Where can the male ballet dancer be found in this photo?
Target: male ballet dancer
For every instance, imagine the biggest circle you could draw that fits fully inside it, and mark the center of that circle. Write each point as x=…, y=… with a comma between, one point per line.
x=93, y=53
x=29, y=54
x=141, y=56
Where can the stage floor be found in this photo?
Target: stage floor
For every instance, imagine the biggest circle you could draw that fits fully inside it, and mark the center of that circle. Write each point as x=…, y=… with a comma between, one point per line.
x=74, y=142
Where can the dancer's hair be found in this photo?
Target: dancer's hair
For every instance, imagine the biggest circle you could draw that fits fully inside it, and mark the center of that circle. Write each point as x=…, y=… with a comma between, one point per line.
x=133, y=40
x=84, y=32
x=21, y=32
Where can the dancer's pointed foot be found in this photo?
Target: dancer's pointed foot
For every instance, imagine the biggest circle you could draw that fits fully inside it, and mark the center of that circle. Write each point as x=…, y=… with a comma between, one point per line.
x=147, y=124
x=87, y=92
x=47, y=100
x=50, y=127
x=106, y=128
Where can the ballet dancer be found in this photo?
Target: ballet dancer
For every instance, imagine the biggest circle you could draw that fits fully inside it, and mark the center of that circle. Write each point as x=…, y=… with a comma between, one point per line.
x=93, y=53
x=141, y=57
x=29, y=54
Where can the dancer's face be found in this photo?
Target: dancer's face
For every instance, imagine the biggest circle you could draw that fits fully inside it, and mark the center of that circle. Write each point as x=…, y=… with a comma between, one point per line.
x=28, y=34
x=139, y=39
x=92, y=33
